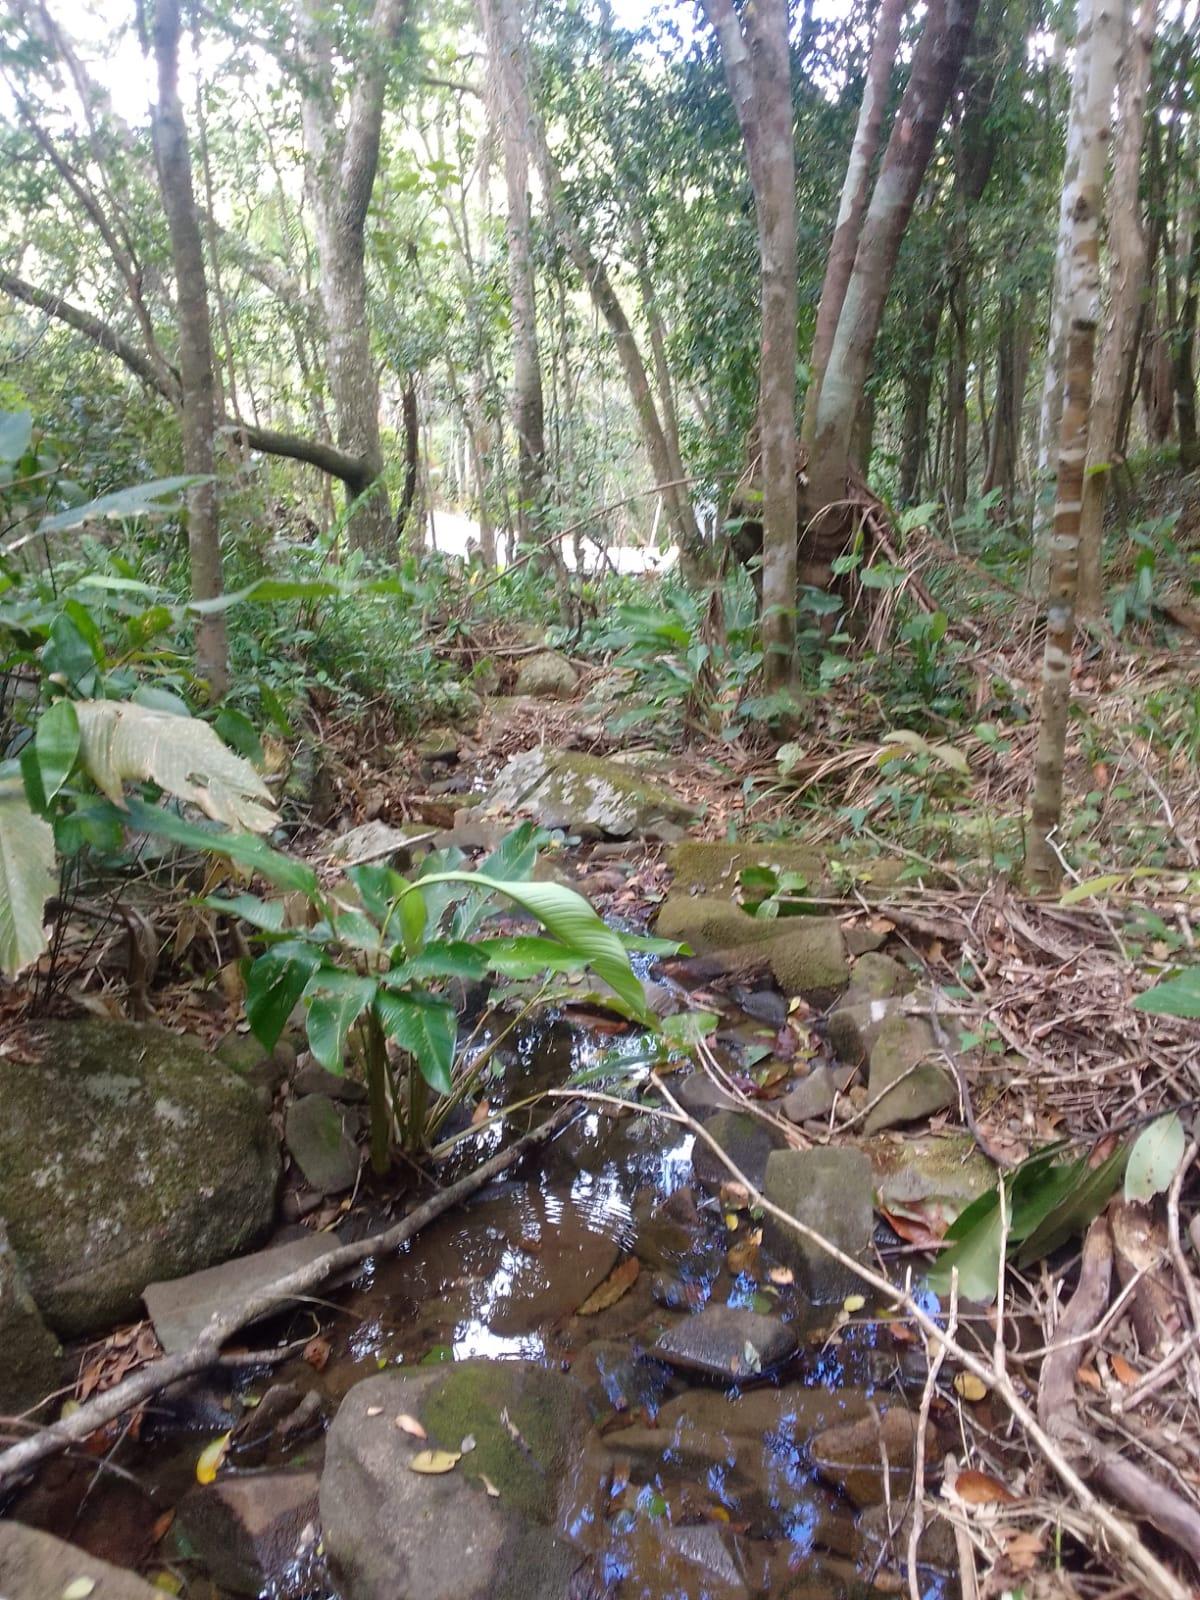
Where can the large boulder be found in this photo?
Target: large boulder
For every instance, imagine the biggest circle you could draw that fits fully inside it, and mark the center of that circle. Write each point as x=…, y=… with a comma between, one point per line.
x=31, y=1367
x=248, y=1530
x=547, y=676
x=126, y=1154
x=585, y=795
x=37, y=1566
x=804, y=955
x=491, y=1527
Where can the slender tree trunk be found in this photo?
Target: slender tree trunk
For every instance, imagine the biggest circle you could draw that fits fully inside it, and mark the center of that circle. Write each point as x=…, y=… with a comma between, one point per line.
x=1082, y=277
x=852, y=207
x=1127, y=255
x=935, y=69
x=1012, y=361
x=757, y=62
x=918, y=385
x=412, y=453
x=1183, y=354
x=956, y=396
x=196, y=372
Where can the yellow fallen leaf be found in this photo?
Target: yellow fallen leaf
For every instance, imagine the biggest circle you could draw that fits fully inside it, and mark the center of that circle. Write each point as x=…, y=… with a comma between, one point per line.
x=731, y=1221
x=211, y=1458
x=618, y=1283
x=411, y=1426
x=489, y=1486
x=853, y=1303
x=79, y=1589
x=434, y=1461
x=168, y=1582
x=970, y=1387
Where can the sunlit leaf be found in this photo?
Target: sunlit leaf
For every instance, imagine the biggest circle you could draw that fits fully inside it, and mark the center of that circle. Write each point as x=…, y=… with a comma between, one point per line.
x=1155, y=1157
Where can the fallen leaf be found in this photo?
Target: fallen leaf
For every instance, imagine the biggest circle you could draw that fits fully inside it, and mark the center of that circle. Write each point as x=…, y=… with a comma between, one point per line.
x=618, y=1283
x=162, y=1525
x=79, y=1589
x=731, y=1221
x=969, y=1387
x=489, y=1486
x=317, y=1353
x=781, y=1276
x=467, y=1445
x=1091, y=1377
x=411, y=1426
x=211, y=1458
x=1123, y=1372
x=434, y=1461
x=981, y=1489
x=743, y=1256
x=481, y=1113
x=853, y=1303
x=374, y=1411
x=168, y=1582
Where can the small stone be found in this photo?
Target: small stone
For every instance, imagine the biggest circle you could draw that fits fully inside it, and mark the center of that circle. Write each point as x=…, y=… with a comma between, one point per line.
x=319, y=1144
x=853, y=1029
x=830, y=1192
x=547, y=676
x=312, y=1078
x=248, y=1530
x=700, y=1097
x=726, y=1342
x=746, y=1139
x=264, y=1069
x=946, y=1169
x=438, y=744
x=904, y=1055
x=31, y=1367
x=812, y=1097
x=850, y=1455
x=878, y=977
x=372, y=841
x=37, y=1566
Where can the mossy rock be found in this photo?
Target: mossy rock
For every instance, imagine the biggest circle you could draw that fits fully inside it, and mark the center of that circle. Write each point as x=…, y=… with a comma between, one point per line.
x=702, y=867
x=547, y=676
x=878, y=977
x=584, y=795
x=706, y=923
x=947, y=1168
x=32, y=1364
x=805, y=955
x=906, y=1079
x=127, y=1154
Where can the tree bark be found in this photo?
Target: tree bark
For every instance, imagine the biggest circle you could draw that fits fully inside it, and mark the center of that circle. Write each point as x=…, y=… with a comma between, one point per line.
x=917, y=387
x=1012, y=362
x=340, y=167
x=754, y=49
x=935, y=69
x=196, y=375
x=1081, y=274
x=852, y=207
x=1127, y=255
x=412, y=454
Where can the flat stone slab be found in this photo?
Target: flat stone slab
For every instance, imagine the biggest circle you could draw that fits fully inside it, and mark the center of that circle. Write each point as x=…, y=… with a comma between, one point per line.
x=37, y=1566
x=180, y=1307
x=726, y=1342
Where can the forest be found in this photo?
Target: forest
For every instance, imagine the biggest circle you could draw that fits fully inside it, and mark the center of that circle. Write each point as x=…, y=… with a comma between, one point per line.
x=599, y=806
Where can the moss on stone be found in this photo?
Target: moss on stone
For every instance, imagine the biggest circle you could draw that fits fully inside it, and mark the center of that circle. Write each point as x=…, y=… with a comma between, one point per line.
x=704, y=867
x=878, y=977
x=808, y=958
x=706, y=922
x=906, y=1081
x=948, y=1167
x=584, y=794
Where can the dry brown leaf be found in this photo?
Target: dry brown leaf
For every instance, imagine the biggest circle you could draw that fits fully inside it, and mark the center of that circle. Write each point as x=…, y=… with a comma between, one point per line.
x=981, y=1489
x=1090, y=1377
x=162, y=1525
x=743, y=1256
x=782, y=1276
x=411, y=1426
x=317, y=1353
x=1123, y=1372
x=618, y=1283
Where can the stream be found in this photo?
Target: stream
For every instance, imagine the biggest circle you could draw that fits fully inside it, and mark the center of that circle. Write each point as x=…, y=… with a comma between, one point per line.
x=692, y=1487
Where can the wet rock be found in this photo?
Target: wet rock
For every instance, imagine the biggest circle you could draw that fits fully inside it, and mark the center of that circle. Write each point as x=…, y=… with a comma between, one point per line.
x=394, y=1534
x=746, y=1139
x=707, y=923
x=945, y=1169
x=181, y=1307
x=263, y=1069
x=700, y=1097
x=249, y=1441
x=726, y=1342
x=614, y=1379
x=764, y=1005
x=885, y=1533
x=126, y=1154
x=319, y=1144
x=703, y=867
x=804, y=955
x=903, y=1055
x=370, y=842
x=812, y=1097
x=849, y=1456
x=313, y=1078
x=830, y=1192
x=878, y=977
x=853, y=1029
x=584, y=795
x=678, y=1293
x=36, y=1566
x=248, y=1531
x=670, y=1232
x=705, y=1559
x=32, y=1361
x=547, y=676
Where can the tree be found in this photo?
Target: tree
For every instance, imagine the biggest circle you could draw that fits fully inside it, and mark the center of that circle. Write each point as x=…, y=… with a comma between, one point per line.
x=341, y=161
x=1101, y=23
x=197, y=382
x=755, y=52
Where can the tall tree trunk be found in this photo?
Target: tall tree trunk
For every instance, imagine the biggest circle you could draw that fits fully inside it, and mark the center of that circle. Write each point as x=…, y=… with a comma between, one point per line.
x=196, y=374
x=852, y=207
x=935, y=69
x=1183, y=351
x=1012, y=361
x=1082, y=277
x=918, y=384
x=412, y=453
x=340, y=167
x=1127, y=255
x=757, y=62
x=956, y=395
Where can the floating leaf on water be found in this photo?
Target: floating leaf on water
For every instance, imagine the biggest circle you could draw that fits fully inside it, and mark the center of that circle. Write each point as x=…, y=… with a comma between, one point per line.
x=618, y=1283
x=1154, y=1159
x=79, y=1589
x=411, y=1426
x=162, y=1525
x=467, y=1445
x=434, y=1461
x=211, y=1458
x=731, y=1221
x=981, y=1489
x=969, y=1387
x=489, y=1486
x=853, y=1303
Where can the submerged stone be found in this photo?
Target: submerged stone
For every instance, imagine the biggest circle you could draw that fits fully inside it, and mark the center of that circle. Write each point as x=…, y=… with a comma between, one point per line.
x=726, y=1342
x=31, y=1367
x=850, y=1455
x=127, y=1154
x=584, y=795
x=248, y=1530
x=906, y=1078
x=829, y=1191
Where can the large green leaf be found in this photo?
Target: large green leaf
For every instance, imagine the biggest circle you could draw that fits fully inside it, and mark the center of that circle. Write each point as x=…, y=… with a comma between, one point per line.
x=247, y=849
x=511, y=861
x=441, y=958
x=277, y=980
x=1155, y=1157
x=572, y=921
x=378, y=888
x=1176, y=997
x=27, y=878
x=426, y=1029
x=56, y=741
x=336, y=1000
x=265, y=914
x=528, y=956
x=16, y=432
x=145, y=499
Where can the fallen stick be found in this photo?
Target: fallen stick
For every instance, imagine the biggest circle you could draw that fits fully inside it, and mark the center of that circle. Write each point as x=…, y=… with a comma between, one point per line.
x=105, y=1408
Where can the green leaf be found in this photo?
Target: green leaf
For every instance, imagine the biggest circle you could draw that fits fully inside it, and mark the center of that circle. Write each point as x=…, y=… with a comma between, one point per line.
x=336, y=1000
x=527, y=956
x=649, y=945
x=413, y=914
x=27, y=878
x=441, y=958
x=16, y=434
x=265, y=914
x=157, y=698
x=245, y=848
x=512, y=860
x=357, y=931
x=145, y=499
x=572, y=921
x=1177, y=997
x=426, y=1029
x=687, y=1028
x=1083, y=1199
x=277, y=980
x=976, y=1252
x=240, y=734
x=1154, y=1159
x=57, y=743
x=378, y=888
